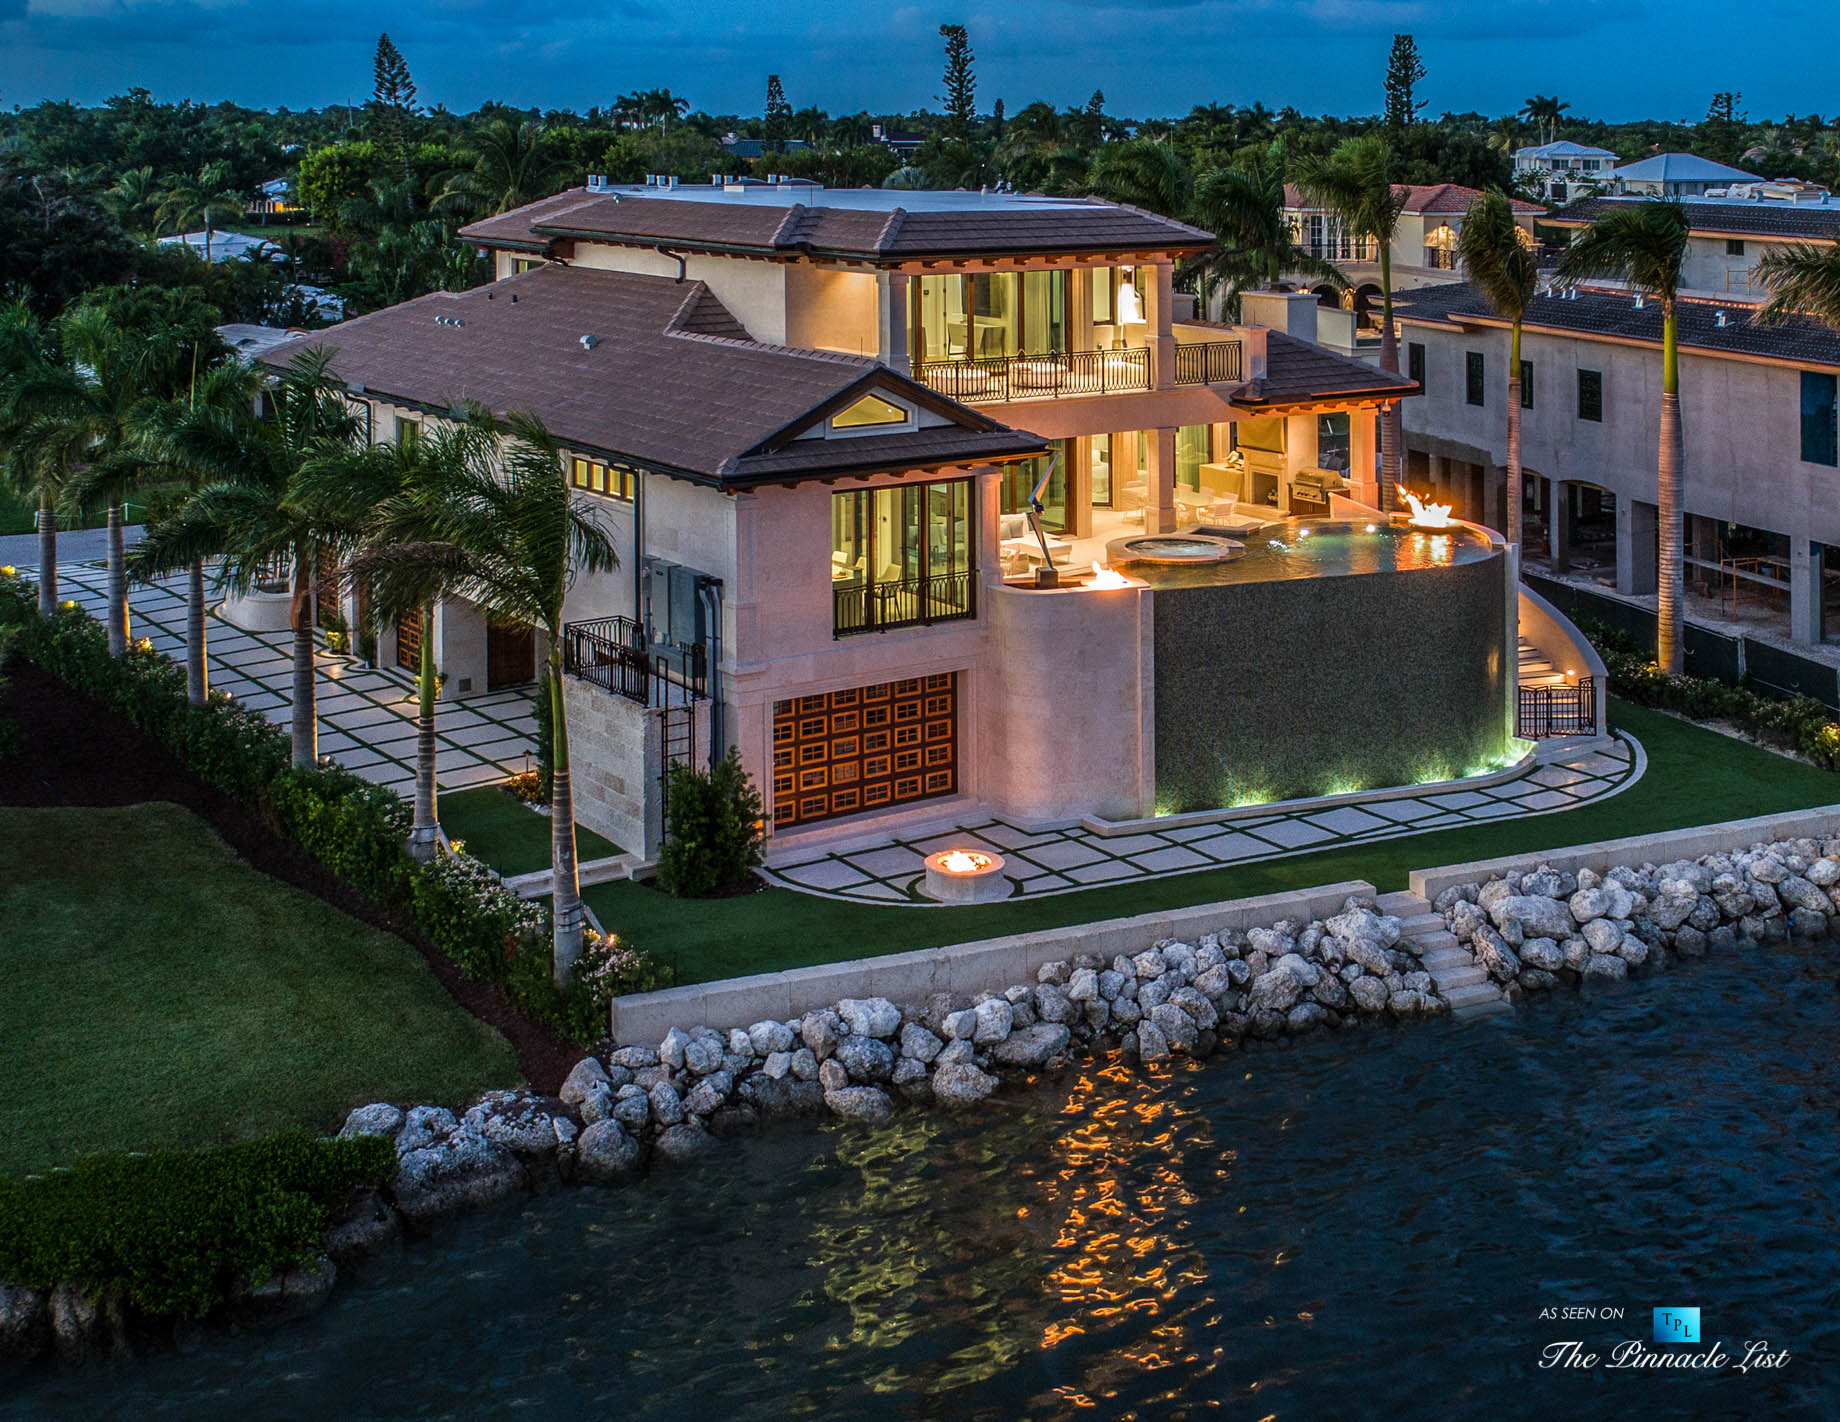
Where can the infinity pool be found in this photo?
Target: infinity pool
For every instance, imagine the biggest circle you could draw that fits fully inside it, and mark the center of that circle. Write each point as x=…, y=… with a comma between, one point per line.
x=1369, y=1224
x=1311, y=548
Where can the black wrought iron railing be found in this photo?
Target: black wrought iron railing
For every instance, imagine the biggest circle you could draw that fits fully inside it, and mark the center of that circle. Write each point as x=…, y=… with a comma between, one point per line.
x=1547, y=711
x=1442, y=259
x=1038, y=377
x=1209, y=362
x=612, y=653
x=908, y=602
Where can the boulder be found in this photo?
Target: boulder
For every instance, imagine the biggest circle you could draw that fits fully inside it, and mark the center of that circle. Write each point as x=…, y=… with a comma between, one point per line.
x=819, y=1032
x=919, y=1044
x=583, y=1077
x=681, y=1145
x=861, y=1103
x=461, y=1171
x=25, y=1324
x=1033, y=1046
x=1824, y=873
x=1369, y=994
x=607, y=1153
x=667, y=1105
x=1498, y=960
x=1543, y=954
x=1053, y=1005
x=704, y=1052
x=786, y=1096
x=959, y=1084
x=1602, y=935
x=865, y=1058
x=912, y=1080
x=961, y=1024
x=769, y=1037
x=994, y=1019
x=520, y=1121
x=1083, y=985
x=870, y=1016
x=1056, y=972
x=710, y=1094
x=1588, y=904
x=805, y=1064
x=1799, y=893
x=423, y=1126
x=1305, y=1016
x=671, y=1050
x=378, y=1119
x=1152, y=1045
x=1538, y=916
x=1606, y=965
x=777, y=1065
x=832, y=1075
x=634, y=1058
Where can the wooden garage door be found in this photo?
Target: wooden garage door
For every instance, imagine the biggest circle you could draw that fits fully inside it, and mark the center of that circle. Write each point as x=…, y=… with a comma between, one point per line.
x=869, y=748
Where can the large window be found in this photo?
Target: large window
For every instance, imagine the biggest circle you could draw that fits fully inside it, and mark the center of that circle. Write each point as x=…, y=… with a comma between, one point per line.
x=1526, y=385
x=1475, y=377
x=1415, y=362
x=1333, y=446
x=1820, y=418
x=1591, y=395
x=989, y=315
x=902, y=555
x=1101, y=470
x=1194, y=447
x=1020, y=479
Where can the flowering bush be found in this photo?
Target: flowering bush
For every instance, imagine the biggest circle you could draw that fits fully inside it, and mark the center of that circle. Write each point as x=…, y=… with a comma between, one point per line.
x=610, y=968
x=469, y=914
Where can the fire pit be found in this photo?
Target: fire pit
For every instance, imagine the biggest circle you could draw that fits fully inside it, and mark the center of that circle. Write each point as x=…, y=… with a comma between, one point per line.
x=965, y=876
x=1423, y=513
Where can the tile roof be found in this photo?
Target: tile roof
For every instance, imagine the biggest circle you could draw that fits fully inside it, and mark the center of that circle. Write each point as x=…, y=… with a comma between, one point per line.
x=1436, y=199
x=640, y=368
x=1681, y=168
x=1299, y=372
x=1613, y=315
x=843, y=230
x=1563, y=148
x=1789, y=220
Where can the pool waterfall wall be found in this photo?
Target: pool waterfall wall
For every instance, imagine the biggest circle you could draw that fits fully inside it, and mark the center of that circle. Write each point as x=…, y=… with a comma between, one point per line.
x=1316, y=686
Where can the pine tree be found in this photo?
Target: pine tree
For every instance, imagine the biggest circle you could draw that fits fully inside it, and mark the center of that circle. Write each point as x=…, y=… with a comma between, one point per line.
x=779, y=113
x=1403, y=71
x=393, y=103
x=960, y=97
x=1719, y=129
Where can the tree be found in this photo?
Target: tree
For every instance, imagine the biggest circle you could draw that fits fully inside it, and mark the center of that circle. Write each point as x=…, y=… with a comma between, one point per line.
x=778, y=117
x=33, y=467
x=135, y=199
x=333, y=176
x=202, y=199
x=250, y=510
x=1802, y=277
x=1143, y=173
x=1501, y=266
x=960, y=97
x=54, y=245
x=1645, y=245
x=503, y=533
x=1543, y=111
x=1403, y=71
x=393, y=105
x=1719, y=131
x=512, y=164
x=1244, y=208
x=1356, y=182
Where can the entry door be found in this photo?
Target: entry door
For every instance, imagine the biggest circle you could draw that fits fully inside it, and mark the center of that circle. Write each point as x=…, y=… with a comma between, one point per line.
x=409, y=640
x=867, y=748
x=511, y=654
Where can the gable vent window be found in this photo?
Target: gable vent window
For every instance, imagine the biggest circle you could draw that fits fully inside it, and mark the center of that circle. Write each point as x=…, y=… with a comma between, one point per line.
x=870, y=412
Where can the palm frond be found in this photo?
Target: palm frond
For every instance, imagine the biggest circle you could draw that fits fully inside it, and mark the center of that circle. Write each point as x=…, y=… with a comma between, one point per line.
x=1803, y=277
x=1496, y=259
x=1644, y=244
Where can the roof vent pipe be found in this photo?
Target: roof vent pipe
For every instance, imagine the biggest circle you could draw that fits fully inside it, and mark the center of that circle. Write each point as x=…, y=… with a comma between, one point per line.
x=1719, y=318
x=1638, y=301
x=588, y=343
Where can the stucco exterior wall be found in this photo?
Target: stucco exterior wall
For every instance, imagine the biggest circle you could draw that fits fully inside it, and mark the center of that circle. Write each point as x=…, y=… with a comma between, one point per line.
x=755, y=292
x=832, y=310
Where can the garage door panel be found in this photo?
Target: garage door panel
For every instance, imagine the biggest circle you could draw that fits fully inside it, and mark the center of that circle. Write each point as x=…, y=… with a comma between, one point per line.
x=864, y=748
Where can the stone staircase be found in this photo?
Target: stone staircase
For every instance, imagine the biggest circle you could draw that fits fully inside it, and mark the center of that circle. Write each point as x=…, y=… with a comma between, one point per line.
x=1536, y=670
x=1460, y=980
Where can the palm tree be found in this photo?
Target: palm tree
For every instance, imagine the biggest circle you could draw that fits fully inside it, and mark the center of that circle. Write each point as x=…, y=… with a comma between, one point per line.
x=203, y=200
x=1143, y=173
x=503, y=532
x=1543, y=112
x=249, y=510
x=1356, y=182
x=1802, y=277
x=135, y=199
x=512, y=164
x=1501, y=266
x=1645, y=245
x=1244, y=209
x=34, y=465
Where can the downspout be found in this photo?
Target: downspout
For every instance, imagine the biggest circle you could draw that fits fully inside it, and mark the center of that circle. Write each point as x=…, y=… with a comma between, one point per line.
x=678, y=257
x=710, y=593
x=639, y=551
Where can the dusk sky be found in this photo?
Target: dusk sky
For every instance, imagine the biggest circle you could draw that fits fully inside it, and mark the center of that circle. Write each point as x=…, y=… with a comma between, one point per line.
x=1612, y=60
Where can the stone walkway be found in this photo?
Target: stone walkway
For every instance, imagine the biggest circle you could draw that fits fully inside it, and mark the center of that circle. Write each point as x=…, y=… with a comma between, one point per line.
x=366, y=714
x=1064, y=858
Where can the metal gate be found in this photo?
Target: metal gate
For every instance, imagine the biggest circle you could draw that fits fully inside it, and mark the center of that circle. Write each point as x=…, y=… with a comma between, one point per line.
x=676, y=746
x=1547, y=711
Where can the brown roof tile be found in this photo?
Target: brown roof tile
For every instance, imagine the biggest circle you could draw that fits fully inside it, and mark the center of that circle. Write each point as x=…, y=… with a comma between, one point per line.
x=1299, y=372
x=642, y=368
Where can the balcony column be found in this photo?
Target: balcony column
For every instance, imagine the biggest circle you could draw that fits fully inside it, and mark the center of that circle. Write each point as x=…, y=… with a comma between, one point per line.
x=1159, y=319
x=1079, y=487
x=1363, y=459
x=1637, y=546
x=987, y=488
x=1160, y=514
x=1805, y=560
x=894, y=302
x=1559, y=523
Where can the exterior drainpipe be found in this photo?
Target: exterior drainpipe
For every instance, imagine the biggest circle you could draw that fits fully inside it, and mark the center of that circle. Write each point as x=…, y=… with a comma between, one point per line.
x=711, y=595
x=638, y=562
x=678, y=257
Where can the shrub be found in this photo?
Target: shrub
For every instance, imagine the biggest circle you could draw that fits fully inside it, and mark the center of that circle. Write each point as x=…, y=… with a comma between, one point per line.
x=174, y=1232
x=713, y=834
x=1797, y=723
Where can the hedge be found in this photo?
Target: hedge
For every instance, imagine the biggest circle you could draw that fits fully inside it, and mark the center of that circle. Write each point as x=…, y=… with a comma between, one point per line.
x=357, y=830
x=1797, y=723
x=175, y=1232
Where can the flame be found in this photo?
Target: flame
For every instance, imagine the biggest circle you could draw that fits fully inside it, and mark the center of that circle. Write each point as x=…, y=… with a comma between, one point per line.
x=1426, y=515
x=1104, y=577
x=963, y=861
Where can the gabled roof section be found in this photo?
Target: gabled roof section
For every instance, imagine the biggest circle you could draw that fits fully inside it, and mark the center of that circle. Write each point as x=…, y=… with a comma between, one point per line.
x=1719, y=217
x=1563, y=148
x=1299, y=372
x=884, y=228
x=643, y=369
x=1681, y=168
x=1428, y=199
x=1613, y=315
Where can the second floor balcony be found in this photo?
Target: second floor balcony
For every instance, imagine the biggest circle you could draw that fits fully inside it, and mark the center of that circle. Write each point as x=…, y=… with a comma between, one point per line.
x=1054, y=374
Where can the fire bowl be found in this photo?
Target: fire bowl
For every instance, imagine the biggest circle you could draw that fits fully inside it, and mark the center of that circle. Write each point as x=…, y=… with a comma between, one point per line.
x=965, y=876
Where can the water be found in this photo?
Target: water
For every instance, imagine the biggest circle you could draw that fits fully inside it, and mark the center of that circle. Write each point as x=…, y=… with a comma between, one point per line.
x=1356, y=1226
x=1316, y=548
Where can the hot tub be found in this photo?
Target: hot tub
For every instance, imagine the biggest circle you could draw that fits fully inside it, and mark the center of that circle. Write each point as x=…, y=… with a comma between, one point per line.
x=1174, y=549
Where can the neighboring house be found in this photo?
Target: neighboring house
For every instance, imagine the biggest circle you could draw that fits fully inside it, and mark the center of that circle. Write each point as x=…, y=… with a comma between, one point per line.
x=812, y=421
x=223, y=246
x=1729, y=234
x=1562, y=170
x=757, y=147
x=1674, y=175
x=1758, y=408
x=1424, y=243
x=274, y=197
x=896, y=139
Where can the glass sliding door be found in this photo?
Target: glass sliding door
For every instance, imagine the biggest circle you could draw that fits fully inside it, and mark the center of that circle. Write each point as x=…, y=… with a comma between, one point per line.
x=1019, y=480
x=1194, y=447
x=1044, y=311
x=902, y=555
x=1099, y=470
x=989, y=315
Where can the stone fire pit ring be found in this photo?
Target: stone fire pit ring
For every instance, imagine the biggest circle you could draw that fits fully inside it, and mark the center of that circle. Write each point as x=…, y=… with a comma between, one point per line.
x=965, y=876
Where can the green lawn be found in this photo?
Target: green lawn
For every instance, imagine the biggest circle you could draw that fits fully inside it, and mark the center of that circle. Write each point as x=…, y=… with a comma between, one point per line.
x=19, y=515
x=1694, y=777
x=160, y=992
x=508, y=836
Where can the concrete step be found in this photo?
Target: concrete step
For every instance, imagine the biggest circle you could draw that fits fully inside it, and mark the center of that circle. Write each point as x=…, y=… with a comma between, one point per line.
x=1427, y=922
x=1448, y=980
x=1438, y=967
x=1403, y=902
x=1469, y=994
x=1493, y=1007
x=1440, y=938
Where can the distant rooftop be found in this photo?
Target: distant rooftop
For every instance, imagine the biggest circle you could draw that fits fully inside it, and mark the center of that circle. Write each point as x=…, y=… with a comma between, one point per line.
x=798, y=219
x=1431, y=199
x=1563, y=148
x=1807, y=220
x=1680, y=168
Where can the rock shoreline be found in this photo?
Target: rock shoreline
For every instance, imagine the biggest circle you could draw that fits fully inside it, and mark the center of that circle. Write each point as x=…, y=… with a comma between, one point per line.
x=627, y=1107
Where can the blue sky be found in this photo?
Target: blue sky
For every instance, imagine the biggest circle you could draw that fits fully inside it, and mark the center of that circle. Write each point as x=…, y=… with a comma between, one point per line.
x=1625, y=59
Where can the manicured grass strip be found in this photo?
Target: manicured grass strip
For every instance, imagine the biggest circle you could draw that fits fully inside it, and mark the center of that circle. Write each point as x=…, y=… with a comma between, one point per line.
x=1694, y=777
x=498, y=831
x=161, y=993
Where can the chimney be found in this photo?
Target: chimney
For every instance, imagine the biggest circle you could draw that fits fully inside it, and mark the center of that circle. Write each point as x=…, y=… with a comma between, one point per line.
x=1291, y=312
